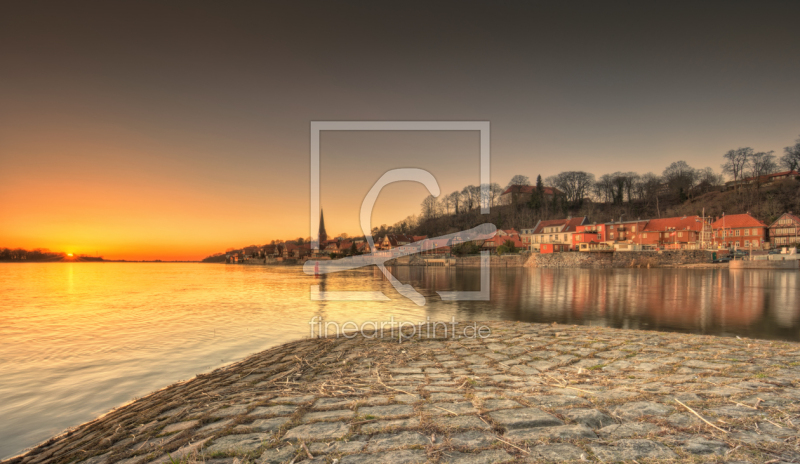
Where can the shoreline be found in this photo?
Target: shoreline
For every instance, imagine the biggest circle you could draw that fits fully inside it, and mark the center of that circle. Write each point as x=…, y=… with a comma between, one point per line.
x=544, y=391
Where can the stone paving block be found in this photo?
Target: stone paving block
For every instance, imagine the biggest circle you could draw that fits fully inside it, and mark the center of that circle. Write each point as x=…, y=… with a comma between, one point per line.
x=293, y=399
x=460, y=422
x=377, y=426
x=733, y=410
x=558, y=452
x=280, y=410
x=472, y=439
x=214, y=426
x=280, y=455
x=722, y=391
x=318, y=431
x=561, y=432
x=344, y=447
x=482, y=457
x=591, y=418
x=752, y=438
x=337, y=414
x=557, y=401
x=396, y=440
x=628, y=430
x=625, y=450
x=334, y=403
x=374, y=400
x=408, y=399
x=266, y=425
x=230, y=411
x=699, y=445
x=242, y=443
x=638, y=409
x=441, y=396
x=705, y=365
x=438, y=409
x=490, y=405
x=390, y=457
x=682, y=420
x=393, y=410
x=616, y=395
x=524, y=418
x=178, y=427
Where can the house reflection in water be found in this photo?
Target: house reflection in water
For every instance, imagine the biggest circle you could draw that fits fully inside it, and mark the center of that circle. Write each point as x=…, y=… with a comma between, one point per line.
x=751, y=303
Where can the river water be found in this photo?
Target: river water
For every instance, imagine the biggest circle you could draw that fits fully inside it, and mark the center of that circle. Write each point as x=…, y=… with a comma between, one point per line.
x=77, y=339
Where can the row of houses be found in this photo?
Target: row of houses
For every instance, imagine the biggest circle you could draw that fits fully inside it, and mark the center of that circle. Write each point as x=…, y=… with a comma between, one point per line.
x=737, y=231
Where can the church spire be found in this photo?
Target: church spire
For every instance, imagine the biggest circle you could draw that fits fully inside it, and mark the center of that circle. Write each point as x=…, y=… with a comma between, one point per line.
x=323, y=236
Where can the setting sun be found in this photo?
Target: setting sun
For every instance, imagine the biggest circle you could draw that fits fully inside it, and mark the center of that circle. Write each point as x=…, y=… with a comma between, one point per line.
x=69, y=254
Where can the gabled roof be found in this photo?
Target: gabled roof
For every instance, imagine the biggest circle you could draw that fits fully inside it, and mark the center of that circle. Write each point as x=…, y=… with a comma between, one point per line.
x=789, y=215
x=572, y=224
x=675, y=223
x=736, y=221
x=567, y=225
x=549, y=223
x=784, y=173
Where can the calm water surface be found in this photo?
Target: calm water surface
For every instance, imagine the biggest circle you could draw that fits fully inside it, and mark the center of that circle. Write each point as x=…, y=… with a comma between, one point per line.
x=77, y=339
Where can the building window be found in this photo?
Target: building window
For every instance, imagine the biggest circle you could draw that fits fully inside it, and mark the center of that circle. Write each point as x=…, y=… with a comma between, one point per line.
x=737, y=232
x=755, y=232
x=644, y=235
x=634, y=229
x=612, y=235
x=680, y=234
x=747, y=232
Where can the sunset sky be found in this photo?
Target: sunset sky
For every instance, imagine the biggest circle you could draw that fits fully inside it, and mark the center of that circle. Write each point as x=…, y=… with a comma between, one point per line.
x=176, y=130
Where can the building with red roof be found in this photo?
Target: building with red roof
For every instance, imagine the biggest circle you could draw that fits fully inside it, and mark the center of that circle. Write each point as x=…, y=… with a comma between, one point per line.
x=675, y=232
x=523, y=193
x=500, y=240
x=556, y=233
x=739, y=231
x=762, y=180
x=785, y=230
x=588, y=233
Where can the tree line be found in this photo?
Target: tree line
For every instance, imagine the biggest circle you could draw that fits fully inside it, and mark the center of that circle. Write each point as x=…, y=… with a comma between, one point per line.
x=21, y=254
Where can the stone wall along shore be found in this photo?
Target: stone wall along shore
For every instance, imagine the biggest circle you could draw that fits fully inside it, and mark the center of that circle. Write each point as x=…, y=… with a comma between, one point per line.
x=618, y=259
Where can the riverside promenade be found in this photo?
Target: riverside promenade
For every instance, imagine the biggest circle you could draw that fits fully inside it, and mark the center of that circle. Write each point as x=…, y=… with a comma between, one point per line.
x=527, y=393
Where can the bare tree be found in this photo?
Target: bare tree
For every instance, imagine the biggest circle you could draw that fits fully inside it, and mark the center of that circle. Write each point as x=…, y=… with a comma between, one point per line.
x=603, y=189
x=575, y=184
x=708, y=180
x=762, y=163
x=429, y=207
x=680, y=178
x=791, y=160
x=466, y=198
x=519, y=179
x=455, y=200
x=736, y=162
x=495, y=190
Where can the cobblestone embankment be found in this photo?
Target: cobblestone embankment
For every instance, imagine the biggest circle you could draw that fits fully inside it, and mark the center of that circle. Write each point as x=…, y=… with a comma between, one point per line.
x=529, y=393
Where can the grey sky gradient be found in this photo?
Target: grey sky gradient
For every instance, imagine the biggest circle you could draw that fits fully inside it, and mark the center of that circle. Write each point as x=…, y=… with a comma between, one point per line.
x=216, y=97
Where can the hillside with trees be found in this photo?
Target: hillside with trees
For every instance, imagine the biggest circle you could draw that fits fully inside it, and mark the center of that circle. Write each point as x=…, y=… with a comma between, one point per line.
x=678, y=190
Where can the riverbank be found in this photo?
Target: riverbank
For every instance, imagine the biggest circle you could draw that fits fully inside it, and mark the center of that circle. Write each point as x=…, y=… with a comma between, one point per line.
x=527, y=393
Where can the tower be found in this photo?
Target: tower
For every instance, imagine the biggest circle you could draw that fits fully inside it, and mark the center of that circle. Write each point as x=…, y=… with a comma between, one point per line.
x=323, y=236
